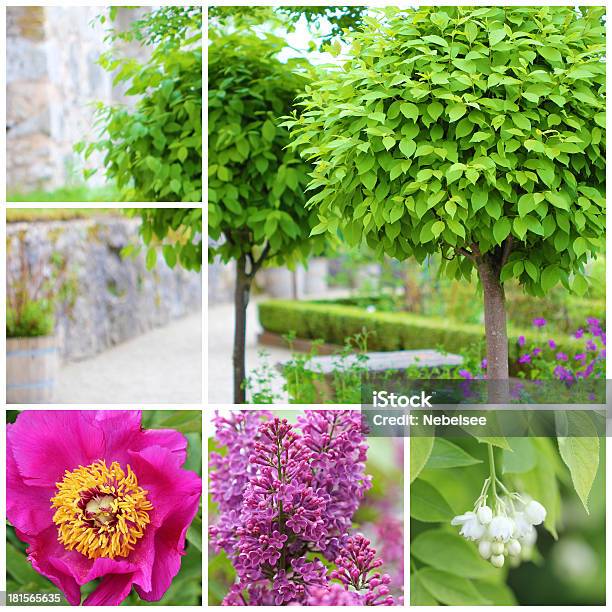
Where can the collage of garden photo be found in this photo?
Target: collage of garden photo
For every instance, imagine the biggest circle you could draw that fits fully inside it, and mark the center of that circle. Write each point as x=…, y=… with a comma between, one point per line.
x=388, y=384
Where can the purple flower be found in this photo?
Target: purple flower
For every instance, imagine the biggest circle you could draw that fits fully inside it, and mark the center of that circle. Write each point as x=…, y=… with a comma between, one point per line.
x=536, y=351
x=465, y=374
x=591, y=346
x=294, y=496
x=526, y=358
x=580, y=357
x=579, y=333
x=552, y=344
x=521, y=341
x=539, y=322
x=355, y=564
x=483, y=364
x=561, y=357
x=562, y=373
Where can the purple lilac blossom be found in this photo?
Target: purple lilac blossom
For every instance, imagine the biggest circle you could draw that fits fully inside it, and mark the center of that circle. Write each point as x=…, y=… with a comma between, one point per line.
x=539, y=322
x=294, y=496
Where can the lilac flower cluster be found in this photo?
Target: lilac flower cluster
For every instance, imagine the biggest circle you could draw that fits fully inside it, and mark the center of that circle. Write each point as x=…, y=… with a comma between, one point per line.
x=287, y=494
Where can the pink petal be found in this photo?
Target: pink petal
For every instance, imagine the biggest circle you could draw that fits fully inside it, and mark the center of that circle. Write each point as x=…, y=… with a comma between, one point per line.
x=111, y=591
x=47, y=443
x=175, y=495
x=27, y=508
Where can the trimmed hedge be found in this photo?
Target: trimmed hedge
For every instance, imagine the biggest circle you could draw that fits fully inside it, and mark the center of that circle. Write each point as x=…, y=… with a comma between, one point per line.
x=389, y=331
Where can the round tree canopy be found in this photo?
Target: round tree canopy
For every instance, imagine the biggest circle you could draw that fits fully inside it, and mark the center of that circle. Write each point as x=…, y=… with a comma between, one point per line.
x=473, y=132
x=257, y=185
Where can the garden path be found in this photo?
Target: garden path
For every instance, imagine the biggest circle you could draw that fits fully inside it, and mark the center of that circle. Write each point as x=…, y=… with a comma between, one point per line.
x=220, y=340
x=161, y=366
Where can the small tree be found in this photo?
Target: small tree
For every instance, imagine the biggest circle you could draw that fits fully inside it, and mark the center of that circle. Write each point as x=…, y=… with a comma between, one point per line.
x=256, y=208
x=475, y=133
x=153, y=152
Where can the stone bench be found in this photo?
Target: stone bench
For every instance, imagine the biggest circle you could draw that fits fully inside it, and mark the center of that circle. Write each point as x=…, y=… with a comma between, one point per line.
x=384, y=361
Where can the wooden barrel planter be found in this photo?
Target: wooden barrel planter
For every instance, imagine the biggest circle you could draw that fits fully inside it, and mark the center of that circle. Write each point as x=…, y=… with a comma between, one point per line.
x=32, y=365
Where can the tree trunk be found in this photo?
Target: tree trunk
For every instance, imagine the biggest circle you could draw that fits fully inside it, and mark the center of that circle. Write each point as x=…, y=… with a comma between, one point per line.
x=241, y=301
x=495, y=331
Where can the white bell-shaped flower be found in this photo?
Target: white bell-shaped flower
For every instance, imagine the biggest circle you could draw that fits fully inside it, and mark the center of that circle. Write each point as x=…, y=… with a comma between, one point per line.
x=485, y=514
x=471, y=528
x=535, y=512
x=501, y=528
x=498, y=560
x=522, y=526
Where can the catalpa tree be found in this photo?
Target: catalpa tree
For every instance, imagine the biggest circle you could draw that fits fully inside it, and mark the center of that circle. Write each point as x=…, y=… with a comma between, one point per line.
x=256, y=211
x=473, y=133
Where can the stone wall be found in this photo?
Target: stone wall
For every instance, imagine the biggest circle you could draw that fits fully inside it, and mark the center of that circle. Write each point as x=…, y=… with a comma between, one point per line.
x=116, y=298
x=52, y=80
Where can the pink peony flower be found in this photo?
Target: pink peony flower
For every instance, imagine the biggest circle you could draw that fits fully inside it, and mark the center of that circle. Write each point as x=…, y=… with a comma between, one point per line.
x=95, y=496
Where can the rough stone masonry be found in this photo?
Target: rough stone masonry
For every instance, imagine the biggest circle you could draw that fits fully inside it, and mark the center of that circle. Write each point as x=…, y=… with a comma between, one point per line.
x=52, y=79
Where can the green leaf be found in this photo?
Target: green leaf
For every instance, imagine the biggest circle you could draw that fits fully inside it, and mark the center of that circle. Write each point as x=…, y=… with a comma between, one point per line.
x=435, y=109
x=456, y=111
x=151, y=259
x=526, y=204
x=479, y=199
x=496, y=36
x=419, y=595
x=522, y=458
x=580, y=285
x=445, y=455
x=268, y=131
x=169, y=255
x=437, y=228
x=501, y=229
x=388, y=142
x=182, y=154
x=407, y=147
x=427, y=504
x=550, y=277
x=420, y=449
x=580, y=453
x=580, y=246
x=450, y=590
x=550, y=54
x=452, y=553
x=409, y=110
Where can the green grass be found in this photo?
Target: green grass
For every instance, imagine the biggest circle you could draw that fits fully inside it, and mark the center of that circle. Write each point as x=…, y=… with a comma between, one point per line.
x=74, y=193
x=14, y=215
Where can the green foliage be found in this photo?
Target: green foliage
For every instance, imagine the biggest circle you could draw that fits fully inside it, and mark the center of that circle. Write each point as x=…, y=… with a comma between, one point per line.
x=154, y=152
x=388, y=331
x=35, y=318
x=80, y=193
x=35, y=290
x=475, y=132
x=447, y=569
x=177, y=231
x=256, y=185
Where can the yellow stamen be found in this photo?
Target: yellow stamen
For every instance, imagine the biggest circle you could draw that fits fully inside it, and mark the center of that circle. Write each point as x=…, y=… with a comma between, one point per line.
x=101, y=511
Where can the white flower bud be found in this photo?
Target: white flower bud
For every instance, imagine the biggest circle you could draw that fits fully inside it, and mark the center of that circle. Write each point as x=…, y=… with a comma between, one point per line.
x=485, y=514
x=535, y=512
x=514, y=561
x=514, y=548
x=498, y=560
x=484, y=548
x=497, y=548
x=501, y=528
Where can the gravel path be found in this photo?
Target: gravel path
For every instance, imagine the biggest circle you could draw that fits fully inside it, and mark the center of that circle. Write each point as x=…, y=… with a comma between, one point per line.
x=161, y=366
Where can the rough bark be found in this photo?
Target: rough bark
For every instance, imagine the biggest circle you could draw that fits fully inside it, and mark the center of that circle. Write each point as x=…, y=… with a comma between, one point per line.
x=495, y=329
x=241, y=301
